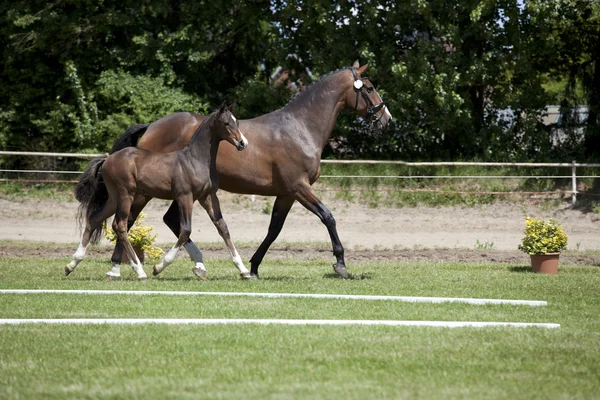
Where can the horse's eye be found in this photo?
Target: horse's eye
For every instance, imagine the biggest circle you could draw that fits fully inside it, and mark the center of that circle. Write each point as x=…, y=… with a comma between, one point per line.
x=226, y=123
x=370, y=89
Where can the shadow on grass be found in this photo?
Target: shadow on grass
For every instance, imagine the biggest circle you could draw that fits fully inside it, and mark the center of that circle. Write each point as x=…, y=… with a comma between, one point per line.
x=520, y=269
x=355, y=277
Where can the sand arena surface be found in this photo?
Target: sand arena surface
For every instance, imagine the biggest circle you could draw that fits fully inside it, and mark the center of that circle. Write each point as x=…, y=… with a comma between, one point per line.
x=374, y=233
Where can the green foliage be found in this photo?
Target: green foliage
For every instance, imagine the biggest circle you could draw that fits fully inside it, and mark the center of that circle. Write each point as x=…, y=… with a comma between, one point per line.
x=126, y=100
x=256, y=96
x=463, y=79
x=487, y=245
x=140, y=236
x=543, y=237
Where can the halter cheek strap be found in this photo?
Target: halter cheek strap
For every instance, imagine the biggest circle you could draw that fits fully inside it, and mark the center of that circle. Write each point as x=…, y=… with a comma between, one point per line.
x=358, y=88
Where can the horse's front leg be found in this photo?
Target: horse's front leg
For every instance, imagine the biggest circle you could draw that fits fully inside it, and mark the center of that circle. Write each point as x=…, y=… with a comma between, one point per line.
x=171, y=219
x=211, y=204
x=308, y=198
x=185, y=204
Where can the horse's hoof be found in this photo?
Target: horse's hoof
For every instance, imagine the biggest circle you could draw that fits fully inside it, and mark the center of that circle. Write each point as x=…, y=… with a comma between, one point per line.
x=156, y=271
x=68, y=271
x=200, y=273
x=341, y=270
x=112, y=278
x=253, y=276
x=248, y=276
x=142, y=278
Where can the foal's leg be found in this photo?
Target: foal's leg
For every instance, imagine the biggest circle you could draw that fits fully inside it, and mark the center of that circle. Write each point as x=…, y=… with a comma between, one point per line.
x=308, y=198
x=171, y=219
x=92, y=224
x=139, y=202
x=120, y=228
x=213, y=208
x=185, y=217
x=281, y=208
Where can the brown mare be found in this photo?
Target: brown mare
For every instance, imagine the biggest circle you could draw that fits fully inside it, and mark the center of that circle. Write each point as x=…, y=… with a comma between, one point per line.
x=284, y=159
x=183, y=176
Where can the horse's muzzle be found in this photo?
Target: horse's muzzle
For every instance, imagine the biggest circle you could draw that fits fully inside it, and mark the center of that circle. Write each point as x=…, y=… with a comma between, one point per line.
x=242, y=144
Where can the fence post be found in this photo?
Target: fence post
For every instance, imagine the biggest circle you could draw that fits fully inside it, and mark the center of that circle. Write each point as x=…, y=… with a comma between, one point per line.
x=573, y=185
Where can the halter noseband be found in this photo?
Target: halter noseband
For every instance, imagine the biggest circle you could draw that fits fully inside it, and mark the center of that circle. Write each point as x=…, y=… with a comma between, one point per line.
x=358, y=88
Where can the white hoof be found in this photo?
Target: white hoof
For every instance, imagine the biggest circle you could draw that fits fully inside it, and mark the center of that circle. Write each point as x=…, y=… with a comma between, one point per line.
x=246, y=275
x=200, y=273
x=112, y=277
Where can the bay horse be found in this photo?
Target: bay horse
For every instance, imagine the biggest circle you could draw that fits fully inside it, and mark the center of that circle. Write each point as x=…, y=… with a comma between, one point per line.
x=284, y=160
x=184, y=176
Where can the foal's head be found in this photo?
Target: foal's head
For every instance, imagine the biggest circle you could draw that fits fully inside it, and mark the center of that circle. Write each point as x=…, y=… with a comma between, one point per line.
x=364, y=99
x=228, y=127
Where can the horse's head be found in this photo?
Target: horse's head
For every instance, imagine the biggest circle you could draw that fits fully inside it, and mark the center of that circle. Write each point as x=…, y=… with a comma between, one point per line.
x=364, y=99
x=230, y=127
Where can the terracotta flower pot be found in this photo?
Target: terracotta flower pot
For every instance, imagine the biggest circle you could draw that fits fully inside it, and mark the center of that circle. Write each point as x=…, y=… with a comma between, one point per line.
x=545, y=263
x=138, y=251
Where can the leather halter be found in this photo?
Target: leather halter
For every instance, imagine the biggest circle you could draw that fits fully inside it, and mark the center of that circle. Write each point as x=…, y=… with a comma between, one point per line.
x=358, y=88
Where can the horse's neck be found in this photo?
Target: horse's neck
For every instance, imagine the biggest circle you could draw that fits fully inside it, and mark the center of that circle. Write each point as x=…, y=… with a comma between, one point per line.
x=203, y=146
x=318, y=108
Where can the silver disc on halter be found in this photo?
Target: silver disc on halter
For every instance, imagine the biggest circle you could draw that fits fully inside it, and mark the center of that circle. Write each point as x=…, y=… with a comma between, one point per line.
x=358, y=84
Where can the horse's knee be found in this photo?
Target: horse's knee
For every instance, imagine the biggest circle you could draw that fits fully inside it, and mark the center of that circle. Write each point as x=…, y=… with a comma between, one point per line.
x=185, y=233
x=120, y=229
x=222, y=227
x=327, y=218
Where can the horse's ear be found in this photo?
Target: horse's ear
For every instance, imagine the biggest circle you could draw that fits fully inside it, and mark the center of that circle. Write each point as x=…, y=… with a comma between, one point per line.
x=362, y=69
x=222, y=107
x=231, y=107
x=356, y=64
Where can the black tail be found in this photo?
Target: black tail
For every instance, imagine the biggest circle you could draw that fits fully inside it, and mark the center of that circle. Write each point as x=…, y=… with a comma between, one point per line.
x=90, y=190
x=130, y=137
x=92, y=194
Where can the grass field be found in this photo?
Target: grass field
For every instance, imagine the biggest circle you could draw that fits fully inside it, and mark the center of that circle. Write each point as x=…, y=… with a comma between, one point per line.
x=280, y=362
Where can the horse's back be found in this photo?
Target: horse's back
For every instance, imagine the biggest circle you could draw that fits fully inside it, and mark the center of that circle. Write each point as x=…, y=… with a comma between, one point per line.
x=170, y=133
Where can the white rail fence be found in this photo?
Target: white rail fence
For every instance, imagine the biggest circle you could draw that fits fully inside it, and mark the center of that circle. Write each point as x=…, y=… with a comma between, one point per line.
x=571, y=166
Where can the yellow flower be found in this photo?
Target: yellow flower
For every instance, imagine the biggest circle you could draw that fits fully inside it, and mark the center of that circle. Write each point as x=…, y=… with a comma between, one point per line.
x=139, y=235
x=543, y=237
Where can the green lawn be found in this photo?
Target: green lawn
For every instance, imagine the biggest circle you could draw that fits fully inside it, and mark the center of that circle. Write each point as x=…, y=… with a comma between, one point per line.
x=280, y=362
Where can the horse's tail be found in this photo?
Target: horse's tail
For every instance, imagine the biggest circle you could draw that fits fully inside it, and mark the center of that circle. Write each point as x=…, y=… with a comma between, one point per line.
x=130, y=137
x=92, y=194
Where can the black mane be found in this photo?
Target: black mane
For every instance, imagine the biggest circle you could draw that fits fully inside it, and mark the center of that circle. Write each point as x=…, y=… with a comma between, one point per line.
x=310, y=88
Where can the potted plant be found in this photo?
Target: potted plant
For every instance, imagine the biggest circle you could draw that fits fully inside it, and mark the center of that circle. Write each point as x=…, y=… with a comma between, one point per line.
x=543, y=241
x=141, y=239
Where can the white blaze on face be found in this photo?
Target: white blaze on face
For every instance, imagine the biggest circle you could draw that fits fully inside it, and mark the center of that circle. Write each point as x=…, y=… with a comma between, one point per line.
x=234, y=120
x=244, y=140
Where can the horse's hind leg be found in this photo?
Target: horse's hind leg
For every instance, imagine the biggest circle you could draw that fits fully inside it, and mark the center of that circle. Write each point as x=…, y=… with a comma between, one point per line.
x=185, y=205
x=93, y=224
x=120, y=228
x=139, y=202
x=213, y=208
x=308, y=198
x=171, y=219
x=281, y=208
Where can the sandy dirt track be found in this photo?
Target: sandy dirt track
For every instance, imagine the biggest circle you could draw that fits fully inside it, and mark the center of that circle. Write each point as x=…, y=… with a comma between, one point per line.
x=376, y=233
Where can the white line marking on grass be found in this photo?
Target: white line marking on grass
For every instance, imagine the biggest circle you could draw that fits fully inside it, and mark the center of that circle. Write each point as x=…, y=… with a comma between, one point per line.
x=408, y=299
x=193, y=321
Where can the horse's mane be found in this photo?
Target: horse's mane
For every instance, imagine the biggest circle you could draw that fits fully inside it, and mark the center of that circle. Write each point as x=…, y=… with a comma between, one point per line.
x=210, y=118
x=311, y=88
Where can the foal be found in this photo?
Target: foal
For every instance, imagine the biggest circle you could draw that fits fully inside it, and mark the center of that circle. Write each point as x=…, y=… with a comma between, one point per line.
x=184, y=176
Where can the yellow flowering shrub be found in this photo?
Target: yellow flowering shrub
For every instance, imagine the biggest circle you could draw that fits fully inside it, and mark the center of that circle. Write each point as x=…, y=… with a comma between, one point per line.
x=139, y=235
x=543, y=237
